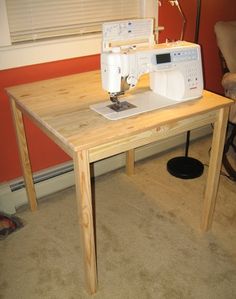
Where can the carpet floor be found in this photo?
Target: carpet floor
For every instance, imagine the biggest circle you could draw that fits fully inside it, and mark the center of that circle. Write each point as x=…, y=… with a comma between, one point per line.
x=149, y=244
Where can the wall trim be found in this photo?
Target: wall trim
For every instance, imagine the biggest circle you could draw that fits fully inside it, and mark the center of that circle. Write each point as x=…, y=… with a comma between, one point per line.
x=11, y=200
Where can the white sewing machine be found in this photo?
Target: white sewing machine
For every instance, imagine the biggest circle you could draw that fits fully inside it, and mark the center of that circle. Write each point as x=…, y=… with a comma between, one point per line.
x=175, y=69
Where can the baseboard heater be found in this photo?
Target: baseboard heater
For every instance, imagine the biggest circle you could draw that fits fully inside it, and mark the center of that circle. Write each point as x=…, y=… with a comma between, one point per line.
x=41, y=177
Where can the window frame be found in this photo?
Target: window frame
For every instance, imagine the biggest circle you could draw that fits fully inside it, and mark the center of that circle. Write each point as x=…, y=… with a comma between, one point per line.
x=29, y=53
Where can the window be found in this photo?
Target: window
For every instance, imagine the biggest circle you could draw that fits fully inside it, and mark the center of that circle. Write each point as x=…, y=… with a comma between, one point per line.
x=33, y=20
x=48, y=30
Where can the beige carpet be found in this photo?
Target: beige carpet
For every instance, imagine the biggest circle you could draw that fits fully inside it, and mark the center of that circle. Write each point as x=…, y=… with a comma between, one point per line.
x=148, y=240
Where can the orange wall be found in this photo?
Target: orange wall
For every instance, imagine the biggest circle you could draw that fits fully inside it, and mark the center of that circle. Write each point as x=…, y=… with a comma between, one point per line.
x=43, y=152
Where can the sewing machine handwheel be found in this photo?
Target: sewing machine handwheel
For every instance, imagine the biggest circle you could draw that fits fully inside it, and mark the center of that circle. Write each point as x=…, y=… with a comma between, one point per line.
x=185, y=167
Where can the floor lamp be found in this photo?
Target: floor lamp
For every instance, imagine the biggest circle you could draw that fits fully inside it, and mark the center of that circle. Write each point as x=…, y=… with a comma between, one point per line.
x=186, y=167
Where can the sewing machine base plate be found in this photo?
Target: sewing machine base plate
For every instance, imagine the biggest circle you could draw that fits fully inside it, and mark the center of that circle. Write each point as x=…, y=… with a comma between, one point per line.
x=140, y=102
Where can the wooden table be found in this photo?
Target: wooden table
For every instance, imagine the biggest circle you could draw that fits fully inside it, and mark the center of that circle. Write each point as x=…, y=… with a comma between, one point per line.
x=60, y=107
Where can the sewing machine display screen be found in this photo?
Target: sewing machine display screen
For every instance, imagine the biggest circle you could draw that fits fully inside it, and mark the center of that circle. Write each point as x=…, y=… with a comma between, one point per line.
x=163, y=58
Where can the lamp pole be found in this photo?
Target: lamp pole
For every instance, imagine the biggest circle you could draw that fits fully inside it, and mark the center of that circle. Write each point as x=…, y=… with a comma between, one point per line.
x=186, y=167
x=196, y=35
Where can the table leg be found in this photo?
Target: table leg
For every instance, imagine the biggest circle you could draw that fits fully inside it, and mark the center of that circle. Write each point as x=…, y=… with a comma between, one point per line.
x=130, y=159
x=214, y=168
x=24, y=155
x=85, y=208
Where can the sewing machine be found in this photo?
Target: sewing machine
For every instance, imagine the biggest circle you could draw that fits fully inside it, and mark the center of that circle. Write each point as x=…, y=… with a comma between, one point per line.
x=175, y=70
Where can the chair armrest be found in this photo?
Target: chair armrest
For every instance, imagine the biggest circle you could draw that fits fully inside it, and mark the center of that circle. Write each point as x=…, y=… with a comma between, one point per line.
x=229, y=81
x=229, y=84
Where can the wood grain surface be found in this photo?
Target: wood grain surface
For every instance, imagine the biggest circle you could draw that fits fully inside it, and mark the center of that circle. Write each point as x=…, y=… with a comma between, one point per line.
x=60, y=107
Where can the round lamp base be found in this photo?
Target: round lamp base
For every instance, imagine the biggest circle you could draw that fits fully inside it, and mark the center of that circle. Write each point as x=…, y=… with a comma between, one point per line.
x=185, y=167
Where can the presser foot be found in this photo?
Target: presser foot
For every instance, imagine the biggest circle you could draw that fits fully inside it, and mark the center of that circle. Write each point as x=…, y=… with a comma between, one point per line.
x=117, y=105
x=121, y=106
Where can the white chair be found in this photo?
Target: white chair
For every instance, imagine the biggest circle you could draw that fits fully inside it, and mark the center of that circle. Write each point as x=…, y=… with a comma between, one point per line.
x=226, y=41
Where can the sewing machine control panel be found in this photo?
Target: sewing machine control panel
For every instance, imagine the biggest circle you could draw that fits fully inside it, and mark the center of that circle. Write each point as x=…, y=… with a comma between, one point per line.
x=192, y=76
x=184, y=55
x=169, y=59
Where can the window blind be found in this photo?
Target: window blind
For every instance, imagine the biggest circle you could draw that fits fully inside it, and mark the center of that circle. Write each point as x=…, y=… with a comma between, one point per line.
x=45, y=19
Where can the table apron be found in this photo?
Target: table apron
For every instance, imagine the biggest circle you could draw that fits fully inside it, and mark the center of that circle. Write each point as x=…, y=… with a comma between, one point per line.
x=152, y=135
